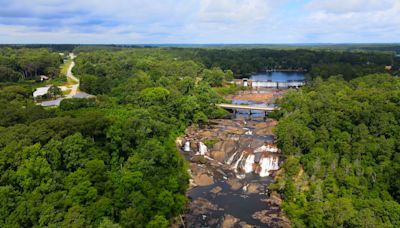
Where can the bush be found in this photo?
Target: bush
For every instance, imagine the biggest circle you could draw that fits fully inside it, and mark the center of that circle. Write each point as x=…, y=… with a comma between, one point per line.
x=77, y=103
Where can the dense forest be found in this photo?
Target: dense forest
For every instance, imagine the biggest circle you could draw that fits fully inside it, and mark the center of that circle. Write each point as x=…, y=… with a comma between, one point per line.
x=341, y=143
x=104, y=72
x=27, y=64
x=107, y=162
x=112, y=161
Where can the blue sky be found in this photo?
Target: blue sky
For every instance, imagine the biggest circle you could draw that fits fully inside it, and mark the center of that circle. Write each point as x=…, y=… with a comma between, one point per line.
x=199, y=21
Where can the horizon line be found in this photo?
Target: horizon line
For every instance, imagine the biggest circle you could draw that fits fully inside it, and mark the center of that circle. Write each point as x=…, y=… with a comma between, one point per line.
x=174, y=44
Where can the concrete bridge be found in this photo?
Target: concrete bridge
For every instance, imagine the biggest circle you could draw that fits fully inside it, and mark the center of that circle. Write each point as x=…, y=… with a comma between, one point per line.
x=247, y=107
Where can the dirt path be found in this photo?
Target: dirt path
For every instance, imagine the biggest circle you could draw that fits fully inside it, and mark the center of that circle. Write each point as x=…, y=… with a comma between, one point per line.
x=74, y=88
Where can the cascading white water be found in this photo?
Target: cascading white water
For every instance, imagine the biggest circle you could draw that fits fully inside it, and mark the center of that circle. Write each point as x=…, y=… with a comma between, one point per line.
x=267, y=164
x=186, y=147
x=248, y=166
x=248, y=131
x=266, y=148
x=230, y=160
x=203, y=150
x=235, y=166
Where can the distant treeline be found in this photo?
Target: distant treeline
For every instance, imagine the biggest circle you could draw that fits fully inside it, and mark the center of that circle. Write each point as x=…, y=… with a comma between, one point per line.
x=317, y=62
x=74, y=47
x=242, y=62
x=324, y=63
x=54, y=47
x=394, y=48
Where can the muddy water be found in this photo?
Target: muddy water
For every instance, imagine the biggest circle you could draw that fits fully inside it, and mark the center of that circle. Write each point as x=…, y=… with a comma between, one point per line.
x=226, y=187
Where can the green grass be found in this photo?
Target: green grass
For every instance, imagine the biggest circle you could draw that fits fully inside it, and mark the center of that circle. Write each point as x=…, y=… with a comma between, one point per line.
x=64, y=68
x=71, y=81
x=58, y=81
x=210, y=142
x=66, y=92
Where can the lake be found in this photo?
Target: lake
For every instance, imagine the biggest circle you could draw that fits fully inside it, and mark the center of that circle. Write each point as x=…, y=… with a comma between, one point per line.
x=278, y=76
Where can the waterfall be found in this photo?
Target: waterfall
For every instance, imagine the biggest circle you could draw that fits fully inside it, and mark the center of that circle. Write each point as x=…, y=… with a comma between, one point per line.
x=267, y=164
x=248, y=166
x=248, y=131
x=186, y=147
x=235, y=166
x=230, y=160
x=266, y=148
x=202, y=149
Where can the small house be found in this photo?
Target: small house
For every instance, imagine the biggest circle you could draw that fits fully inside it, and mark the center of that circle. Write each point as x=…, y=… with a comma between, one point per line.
x=44, y=78
x=388, y=67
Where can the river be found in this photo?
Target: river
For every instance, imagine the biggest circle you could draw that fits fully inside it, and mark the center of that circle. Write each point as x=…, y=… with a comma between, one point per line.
x=231, y=174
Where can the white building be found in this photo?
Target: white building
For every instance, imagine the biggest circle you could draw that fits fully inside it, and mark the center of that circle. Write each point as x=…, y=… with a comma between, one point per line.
x=40, y=91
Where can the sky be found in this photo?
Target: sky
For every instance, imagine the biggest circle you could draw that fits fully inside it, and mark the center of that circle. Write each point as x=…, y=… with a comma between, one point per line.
x=199, y=21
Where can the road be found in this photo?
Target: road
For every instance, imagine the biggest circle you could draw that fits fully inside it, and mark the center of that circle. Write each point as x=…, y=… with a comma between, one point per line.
x=74, y=88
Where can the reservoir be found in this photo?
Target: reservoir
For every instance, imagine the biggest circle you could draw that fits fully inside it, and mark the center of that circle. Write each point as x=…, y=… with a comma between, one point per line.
x=278, y=76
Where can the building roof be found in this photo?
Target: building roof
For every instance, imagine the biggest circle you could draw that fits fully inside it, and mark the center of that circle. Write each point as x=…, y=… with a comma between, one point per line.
x=41, y=91
x=83, y=95
x=52, y=102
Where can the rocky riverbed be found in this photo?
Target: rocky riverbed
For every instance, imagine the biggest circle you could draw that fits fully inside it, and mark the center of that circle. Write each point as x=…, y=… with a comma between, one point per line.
x=232, y=162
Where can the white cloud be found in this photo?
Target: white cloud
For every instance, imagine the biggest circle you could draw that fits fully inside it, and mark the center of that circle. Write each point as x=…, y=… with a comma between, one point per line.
x=234, y=11
x=199, y=21
x=354, y=20
x=350, y=6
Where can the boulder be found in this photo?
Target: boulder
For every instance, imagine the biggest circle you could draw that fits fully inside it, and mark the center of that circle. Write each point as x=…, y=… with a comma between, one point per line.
x=201, y=206
x=245, y=225
x=264, y=131
x=217, y=146
x=275, y=199
x=216, y=190
x=226, y=146
x=253, y=188
x=218, y=155
x=203, y=179
x=229, y=221
x=206, y=134
x=235, y=130
x=234, y=183
x=272, y=219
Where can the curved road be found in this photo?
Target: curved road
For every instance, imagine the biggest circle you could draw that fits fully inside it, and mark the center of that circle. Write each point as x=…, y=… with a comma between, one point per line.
x=74, y=88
